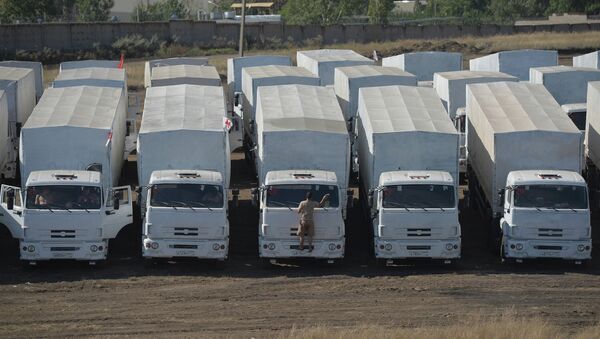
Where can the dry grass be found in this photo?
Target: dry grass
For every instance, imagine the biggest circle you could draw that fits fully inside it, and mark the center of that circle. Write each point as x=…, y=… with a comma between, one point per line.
x=470, y=47
x=504, y=327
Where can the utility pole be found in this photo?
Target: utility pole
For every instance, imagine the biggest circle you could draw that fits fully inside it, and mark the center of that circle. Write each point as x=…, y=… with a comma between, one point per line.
x=242, y=24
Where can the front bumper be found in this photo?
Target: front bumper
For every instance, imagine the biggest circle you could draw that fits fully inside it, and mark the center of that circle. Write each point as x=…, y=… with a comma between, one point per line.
x=277, y=248
x=557, y=249
x=407, y=249
x=172, y=248
x=81, y=250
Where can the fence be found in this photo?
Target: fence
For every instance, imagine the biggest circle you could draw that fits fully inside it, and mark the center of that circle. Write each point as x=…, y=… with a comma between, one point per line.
x=83, y=36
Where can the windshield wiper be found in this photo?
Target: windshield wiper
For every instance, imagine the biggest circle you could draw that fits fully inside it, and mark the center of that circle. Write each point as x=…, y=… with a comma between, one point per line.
x=395, y=204
x=61, y=208
x=280, y=204
x=184, y=204
x=45, y=207
x=79, y=205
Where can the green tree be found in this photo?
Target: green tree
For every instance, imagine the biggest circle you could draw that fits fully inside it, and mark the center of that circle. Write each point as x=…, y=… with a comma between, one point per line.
x=27, y=10
x=93, y=10
x=324, y=12
x=379, y=11
x=161, y=11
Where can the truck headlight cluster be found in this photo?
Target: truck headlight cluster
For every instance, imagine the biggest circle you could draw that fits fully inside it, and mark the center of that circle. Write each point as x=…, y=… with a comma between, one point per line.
x=272, y=246
x=216, y=247
x=94, y=248
x=152, y=245
x=332, y=247
x=388, y=247
x=582, y=248
x=519, y=247
x=449, y=247
x=29, y=248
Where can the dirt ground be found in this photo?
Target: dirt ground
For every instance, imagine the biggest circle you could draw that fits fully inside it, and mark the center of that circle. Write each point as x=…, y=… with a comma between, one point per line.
x=245, y=298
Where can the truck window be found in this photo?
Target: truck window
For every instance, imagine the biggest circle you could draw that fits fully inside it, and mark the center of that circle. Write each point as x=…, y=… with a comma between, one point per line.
x=551, y=196
x=71, y=197
x=419, y=196
x=291, y=195
x=186, y=195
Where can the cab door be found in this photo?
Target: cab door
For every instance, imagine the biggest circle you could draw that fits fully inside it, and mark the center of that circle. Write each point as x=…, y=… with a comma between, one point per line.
x=117, y=217
x=13, y=219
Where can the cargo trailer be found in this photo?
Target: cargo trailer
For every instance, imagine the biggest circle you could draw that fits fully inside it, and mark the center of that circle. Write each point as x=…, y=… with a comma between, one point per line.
x=424, y=64
x=516, y=63
x=323, y=62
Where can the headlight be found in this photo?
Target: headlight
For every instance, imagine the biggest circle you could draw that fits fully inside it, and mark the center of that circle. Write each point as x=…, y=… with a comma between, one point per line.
x=271, y=246
x=332, y=247
x=94, y=248
x=519, y=247
x=388, y=247
x=581, y=248
x=216, y=247
x=30, y=248
x=449, y=247
x=154, y=245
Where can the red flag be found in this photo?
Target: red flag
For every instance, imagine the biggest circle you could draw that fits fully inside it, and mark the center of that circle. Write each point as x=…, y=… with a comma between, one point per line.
x=122, y=61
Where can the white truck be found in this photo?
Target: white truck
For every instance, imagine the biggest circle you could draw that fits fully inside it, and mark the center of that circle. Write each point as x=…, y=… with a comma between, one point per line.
x=150, y=65
x=255, y=77
x=568, y=86
x=516, y=63
x=424, y=64
x=590, y=60
x=451, y=87
x=91, y=76
x=303, y=146
x=592, y=140
x=184, y=193
x=71, y=156
x=88, y=63
x=323, y=62
x=185, y=74
x=19, y=87
x=525, y=160
x=38, y=70
x=412, y=190
x=234, y=89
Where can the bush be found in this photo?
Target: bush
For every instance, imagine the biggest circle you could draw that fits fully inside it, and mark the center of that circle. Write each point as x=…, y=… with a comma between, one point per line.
x=135, y=46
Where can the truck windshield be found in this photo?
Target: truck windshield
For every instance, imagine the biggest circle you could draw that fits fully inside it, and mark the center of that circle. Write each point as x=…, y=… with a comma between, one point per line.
x=418, y=196
x=551, y=196
x=291, y=195
x=186, y=195
x=64, y=197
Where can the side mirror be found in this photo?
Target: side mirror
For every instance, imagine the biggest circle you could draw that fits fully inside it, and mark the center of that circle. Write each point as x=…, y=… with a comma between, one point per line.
x=251, y=125
x=236, y=99
x=235, y=193
x=138, y=190
x=10, y=199
x=116, y=204
x=501, y=197
x=370, y=198
x=350, y=198
x=254, y=193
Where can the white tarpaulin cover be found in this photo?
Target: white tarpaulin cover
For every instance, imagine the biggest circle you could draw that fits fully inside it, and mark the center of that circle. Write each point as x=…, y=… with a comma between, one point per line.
x=182, y=129
x=591, y=60
x=73, y=128
x=149, y=66
x=270, y=75
x=37, y=68
x=452, y=86
x=516, y=63
x=236, y=65
x=404, y=128
x=424, y=64
x=568, y=85
x=323, y=62
x=89, y=63
x=301, y=128
x=348, y=80
x=19, y=83
x=4, y=141
x=592, y=128
x=91, y=76
x=185, y=74
x=517, y=126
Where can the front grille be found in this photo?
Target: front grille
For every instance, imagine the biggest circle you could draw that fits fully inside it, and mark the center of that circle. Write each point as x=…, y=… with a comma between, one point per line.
x=548, y=248
x=64, y=249
x=550, y=232
x=418, y=248
x=186, y=231
x=62, y=234
x=185, y=247
x=418, y=232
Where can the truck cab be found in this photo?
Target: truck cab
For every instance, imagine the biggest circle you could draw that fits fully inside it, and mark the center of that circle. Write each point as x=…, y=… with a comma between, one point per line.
x=65, y=215
x=278, y=200
x=546, y=215
x=415, y=215
x=185, y=215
